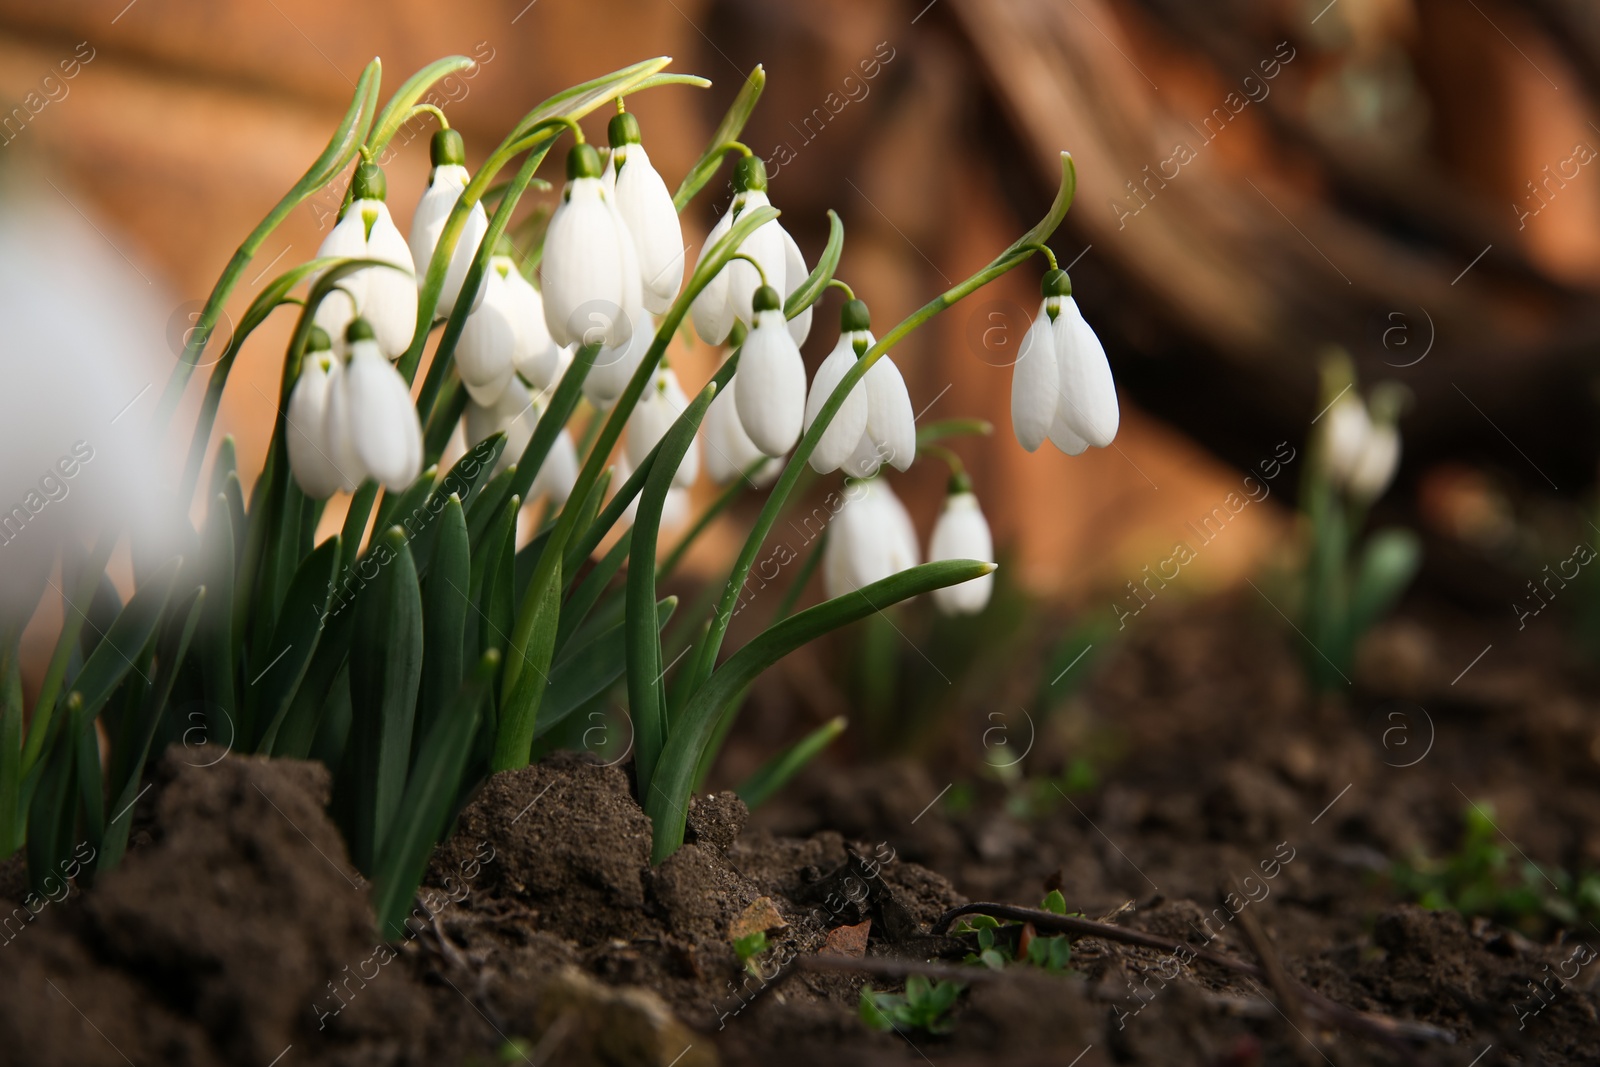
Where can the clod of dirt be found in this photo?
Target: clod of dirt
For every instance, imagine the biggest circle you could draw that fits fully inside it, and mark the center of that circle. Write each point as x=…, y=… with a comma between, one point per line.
x=216, y=942
x=570, y=844
x=596, y=1025
x=716, y=819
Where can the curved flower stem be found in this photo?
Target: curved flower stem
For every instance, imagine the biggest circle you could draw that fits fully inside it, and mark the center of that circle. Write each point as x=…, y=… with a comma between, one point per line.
x=951, y=460
x=430, y=109
x=734, y=146
x=1040, y=246
x=838, y=283
x=752, y=261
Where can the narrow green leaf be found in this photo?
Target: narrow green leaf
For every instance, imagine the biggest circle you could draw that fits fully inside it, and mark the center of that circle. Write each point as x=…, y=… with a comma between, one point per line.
x=214, y=644
x=444, y=620
x=125, y=641
x=488, y=505
x=668, y=797
x=465, y=481
x=727, y=130
x=646, y=702
x=514, y=737
x=293, y=644
x=656, y=81
x=53, y=810
x=1388, y=564
x=590, y=670
x=429, y=800
x=394, y=511
x=10, y=747
x=302, y=723
x=816, y=283
x=776, y=772
x=134, y=745
x=589, y=590
x=398, y=110
x=385, y=671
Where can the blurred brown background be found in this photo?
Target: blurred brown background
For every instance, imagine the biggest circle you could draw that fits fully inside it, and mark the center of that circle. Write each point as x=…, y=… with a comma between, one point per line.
x=1410, y=179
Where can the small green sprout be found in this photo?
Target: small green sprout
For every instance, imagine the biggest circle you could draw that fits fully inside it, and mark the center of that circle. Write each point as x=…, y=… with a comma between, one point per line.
x=1051, y=953
x=749, y=947
x=924, y=1006
x=1480, y=879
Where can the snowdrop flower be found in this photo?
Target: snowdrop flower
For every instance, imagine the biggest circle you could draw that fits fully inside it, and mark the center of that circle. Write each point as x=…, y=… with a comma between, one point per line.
x=729, y=450
x=772, y=402
x=962, y=533
x=385, y=297
x=1376, y=466
x=646, y=206
x=844, y=433
x=728, y=297
x=590, y=272
x=445, y=186
x=1061, y=385
x=614, y=365
x=1345, y=436
x=310, y=457
x=516, y=414
x=370, y=424
x=891, y=431
x=536, y=355
x=871, y=538
x=663, y=401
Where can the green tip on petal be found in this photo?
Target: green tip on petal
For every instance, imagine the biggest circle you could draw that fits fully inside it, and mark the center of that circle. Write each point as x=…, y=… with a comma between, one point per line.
x=583, y=162
x=1056, y=283
x=318, y=340
x=624, y=129
x=750, y=175
x=359, y=330
x=369, y=183
x=447, y=149
x=767, y=299
x=854, y=316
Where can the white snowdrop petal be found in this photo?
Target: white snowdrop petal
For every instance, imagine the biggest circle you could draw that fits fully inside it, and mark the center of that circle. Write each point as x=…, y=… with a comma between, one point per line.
x=891, y=423
x=904, y=551
x=794, y=273
x=772, y=400
x=1375, y=468
x=488, y=340
x=962, y=532
x=428, y=223
x=338, y=433
x=383, y=424
x=729, y=450
x=1345, y=436
x=582, y=271
x=646, y=206
x=865, y=461
x=1064, y=437
x=675, y=508
x=536, y=354
x=1088, y=401
x=334, y=315
x=711, y=311
x=309, y=457
x=1035, y=384
x=390, y=299
x=850, y=422
x=765, y=246
x=614, y=367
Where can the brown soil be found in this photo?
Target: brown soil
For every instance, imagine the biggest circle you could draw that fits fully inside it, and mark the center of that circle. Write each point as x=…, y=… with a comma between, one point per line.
x=236, y=932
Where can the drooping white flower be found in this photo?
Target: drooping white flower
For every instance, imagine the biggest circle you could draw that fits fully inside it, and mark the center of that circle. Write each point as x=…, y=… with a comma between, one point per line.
x=1379, y=460
x=1345, y=436
x=962, y=533
x=536, y=356
x=839, y=440
x=558, y=473
x=310, y=456
x=1035, y=382
x=645, y=204
x=728, y=296
x=729, y=450
x=890, y=435
x=871, y=538
x=663, y=401
x=590, y=271
x=1061, y=384
x=486, y=350
x=385, y=296
x=445, y=185
x=370, y=418
x=772, y=399
x=614, y=365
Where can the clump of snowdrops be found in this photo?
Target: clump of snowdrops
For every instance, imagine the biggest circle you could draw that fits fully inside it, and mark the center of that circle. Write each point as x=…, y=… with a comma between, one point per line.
x=444, y=645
